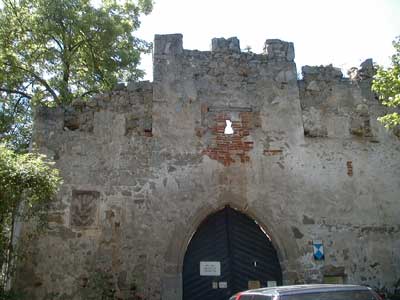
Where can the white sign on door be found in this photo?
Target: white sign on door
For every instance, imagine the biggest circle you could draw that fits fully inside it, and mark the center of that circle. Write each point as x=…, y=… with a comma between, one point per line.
x=223, y=285
x=210, y=268
x=271, y=283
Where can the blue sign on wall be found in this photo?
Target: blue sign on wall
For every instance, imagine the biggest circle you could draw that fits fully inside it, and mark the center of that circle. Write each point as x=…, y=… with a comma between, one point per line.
x=318, y=250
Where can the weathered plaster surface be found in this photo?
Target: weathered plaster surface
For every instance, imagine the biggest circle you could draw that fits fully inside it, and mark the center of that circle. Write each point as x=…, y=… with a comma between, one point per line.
x=144, y=165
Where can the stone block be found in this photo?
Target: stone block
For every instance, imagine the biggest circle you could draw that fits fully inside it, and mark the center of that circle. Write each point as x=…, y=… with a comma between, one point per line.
x=84, y=208
x=367, y=68
x=171, y=287
x=169, y=44
x=225, y=45
x=120, y=86
x=331, y=270
x=134, y=86
x=290, y=52
x=132, y=124
x=279, y=50
x=321, y=73
x=49, y=114
x=81, y=119
x=360, y=126
x=71, y=119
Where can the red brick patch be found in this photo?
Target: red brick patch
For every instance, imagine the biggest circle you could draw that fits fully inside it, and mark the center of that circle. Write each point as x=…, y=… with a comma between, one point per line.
x=228, y=149
x=349, y=165
x=271, y=152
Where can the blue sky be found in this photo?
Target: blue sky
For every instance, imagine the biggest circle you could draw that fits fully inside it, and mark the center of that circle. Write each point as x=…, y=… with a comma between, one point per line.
x=339, y=32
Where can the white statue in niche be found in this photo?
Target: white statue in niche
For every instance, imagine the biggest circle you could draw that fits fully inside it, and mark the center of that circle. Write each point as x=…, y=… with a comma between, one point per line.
x=228, y=128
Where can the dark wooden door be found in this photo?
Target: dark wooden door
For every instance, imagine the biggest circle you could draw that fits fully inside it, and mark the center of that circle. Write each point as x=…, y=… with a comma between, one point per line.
x=233, y=243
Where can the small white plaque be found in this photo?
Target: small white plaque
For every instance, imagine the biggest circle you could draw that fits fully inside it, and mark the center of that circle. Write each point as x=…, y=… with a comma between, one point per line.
x=210, y=268
x=223, y=285
x=215, y=285
x=271, y=283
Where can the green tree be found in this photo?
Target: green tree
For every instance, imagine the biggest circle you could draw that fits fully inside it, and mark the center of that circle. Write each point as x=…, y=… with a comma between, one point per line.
x=387, y=85
x=54, y=51
x=15, y=122
x=27, y=185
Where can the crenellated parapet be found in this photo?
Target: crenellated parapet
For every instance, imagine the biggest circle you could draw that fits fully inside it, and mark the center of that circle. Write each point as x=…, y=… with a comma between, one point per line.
x=340, y=107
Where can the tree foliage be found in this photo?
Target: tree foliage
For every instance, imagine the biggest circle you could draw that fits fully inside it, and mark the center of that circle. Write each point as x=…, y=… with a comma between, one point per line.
x=54, y=51
x=28, y=183
x=15, y=122
x=387, y=85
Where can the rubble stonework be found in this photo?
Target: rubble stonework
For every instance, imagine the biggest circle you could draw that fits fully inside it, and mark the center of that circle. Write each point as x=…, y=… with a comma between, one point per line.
x=145, y=164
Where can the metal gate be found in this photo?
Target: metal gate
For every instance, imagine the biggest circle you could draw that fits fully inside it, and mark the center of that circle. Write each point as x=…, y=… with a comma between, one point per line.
x=228, y=253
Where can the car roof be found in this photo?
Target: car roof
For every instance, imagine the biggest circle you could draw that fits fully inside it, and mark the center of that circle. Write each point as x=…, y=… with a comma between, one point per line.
x=307, y=288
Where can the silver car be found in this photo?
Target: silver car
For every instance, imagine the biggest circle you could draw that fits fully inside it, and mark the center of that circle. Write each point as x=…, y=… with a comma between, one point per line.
x=309, y=292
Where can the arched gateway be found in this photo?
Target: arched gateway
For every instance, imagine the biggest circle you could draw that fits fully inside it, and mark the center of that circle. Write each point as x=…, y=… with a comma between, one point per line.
x=228, y=253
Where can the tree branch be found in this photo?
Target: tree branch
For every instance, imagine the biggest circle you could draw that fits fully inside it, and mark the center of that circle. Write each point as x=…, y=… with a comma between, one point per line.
x=46, y=85
x=77, y=45
x=42, y=81
x=57, y=42
x=88, y=93
x=9, y=91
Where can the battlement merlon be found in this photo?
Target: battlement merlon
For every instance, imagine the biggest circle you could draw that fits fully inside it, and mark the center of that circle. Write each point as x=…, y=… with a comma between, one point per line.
x=168, y=44
x=279, y=50
x=274, y=49
x=225, y=45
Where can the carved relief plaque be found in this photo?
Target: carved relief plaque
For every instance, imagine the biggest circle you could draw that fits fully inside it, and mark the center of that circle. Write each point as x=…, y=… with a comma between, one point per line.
x=84, y=208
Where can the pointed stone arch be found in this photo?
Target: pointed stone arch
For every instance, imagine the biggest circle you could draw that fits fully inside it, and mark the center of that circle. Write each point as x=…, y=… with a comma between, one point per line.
x=172, y=281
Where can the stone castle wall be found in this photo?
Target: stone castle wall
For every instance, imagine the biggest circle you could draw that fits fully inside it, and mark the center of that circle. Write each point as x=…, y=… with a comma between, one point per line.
x=145, y=164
